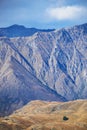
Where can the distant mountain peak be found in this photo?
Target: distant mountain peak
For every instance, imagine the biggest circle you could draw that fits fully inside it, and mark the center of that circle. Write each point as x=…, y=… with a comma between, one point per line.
x=16, y=26
x=20, y=31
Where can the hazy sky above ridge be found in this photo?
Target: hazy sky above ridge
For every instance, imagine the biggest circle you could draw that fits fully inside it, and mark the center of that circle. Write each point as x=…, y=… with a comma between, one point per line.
x=43, y=13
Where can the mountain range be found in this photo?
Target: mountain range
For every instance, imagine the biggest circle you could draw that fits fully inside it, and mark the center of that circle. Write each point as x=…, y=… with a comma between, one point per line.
x=42, y=65
x=20, y=31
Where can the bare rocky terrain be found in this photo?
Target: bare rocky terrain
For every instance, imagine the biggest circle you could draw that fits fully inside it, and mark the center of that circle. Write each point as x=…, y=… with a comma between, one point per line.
x=44, y=65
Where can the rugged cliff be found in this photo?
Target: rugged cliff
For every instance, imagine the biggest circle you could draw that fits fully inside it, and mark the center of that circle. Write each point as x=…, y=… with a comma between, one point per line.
x=48, y=65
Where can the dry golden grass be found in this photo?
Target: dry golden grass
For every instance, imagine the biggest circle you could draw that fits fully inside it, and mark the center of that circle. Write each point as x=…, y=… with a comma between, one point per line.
x=40, y=115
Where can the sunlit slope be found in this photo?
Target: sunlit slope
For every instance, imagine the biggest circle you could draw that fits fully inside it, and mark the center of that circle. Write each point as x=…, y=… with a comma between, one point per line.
x=41, y=115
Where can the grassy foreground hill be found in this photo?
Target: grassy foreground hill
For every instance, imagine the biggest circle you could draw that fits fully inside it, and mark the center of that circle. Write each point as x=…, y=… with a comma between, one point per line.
x=43, y=115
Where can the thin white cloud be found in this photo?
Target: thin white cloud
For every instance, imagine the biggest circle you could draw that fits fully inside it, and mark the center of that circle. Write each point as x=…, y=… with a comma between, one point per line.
x=67, y=12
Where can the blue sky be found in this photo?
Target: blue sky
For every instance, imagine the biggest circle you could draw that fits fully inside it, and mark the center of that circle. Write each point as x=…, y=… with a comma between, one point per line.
x=43, y=13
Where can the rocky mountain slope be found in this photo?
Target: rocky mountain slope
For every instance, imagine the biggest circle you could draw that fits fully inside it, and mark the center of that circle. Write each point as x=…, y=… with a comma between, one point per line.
x=42, y=115
x=47, y=65
x=18, y=81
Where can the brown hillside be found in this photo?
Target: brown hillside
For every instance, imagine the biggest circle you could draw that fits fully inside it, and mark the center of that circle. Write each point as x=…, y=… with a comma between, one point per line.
x=41, y=115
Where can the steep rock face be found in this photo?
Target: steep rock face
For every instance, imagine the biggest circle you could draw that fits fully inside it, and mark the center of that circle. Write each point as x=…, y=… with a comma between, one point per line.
x=59, y=59
x=47, y=66
x=18, y=82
